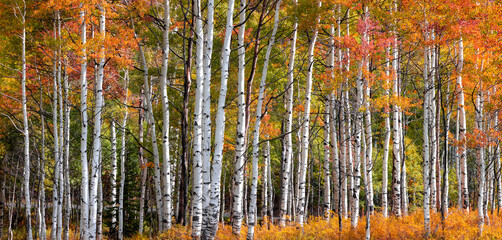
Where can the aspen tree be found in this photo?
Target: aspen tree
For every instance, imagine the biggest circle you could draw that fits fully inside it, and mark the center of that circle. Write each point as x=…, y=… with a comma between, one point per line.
x=238, y=173
x=84, y=203
x=286, y=180
x=166, y=171
x=305, y=128
x=259, y=117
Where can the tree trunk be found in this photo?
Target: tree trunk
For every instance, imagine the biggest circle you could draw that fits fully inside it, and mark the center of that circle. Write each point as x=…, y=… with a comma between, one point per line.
x=305, y=128
x=426, y=144
x=238, y=173
x=166, y=158
x=214, y=201
x=259, y=117
x=55, y=195
x=122, y=161
x=84, y=203
x=197, y=132
x=286, y=185
x=462, y=129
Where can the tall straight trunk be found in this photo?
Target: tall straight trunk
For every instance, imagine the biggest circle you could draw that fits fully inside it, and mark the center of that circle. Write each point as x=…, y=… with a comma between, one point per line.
x=142, y=162
x=55, y=194
x=197, y=116
x=151, y=122
x=114, y=173
x=256, y=137
x=66, y=164
x=462, y=129
x=214, y=201
x=62, y=146
x=433, y=125
x=99, y=221
x=497, y=175
x=288, y=155
x=42, y=231
x=206, y=115
x=238, y=173
x=26, y=133
x=347, y=190
x=185, y=151
x=96, y=151
x=306, y=127
x=270, y=184
x=264, y=188
x=367, y=118
x=122, y=162
x=385, y=163
x=396, y=137
x=425, y=146
x=166, y=158
x=480, y=158
x=326, y=167
x=334, y=157
x=84, y=203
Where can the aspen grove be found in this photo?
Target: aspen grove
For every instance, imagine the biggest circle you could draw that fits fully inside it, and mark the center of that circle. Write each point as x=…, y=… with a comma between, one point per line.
x=256, y=119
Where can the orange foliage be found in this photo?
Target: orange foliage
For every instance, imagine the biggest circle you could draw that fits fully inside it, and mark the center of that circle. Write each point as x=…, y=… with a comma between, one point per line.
x=458, y=225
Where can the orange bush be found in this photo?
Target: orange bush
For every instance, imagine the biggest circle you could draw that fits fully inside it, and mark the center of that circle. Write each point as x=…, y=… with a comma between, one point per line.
x=457, y=225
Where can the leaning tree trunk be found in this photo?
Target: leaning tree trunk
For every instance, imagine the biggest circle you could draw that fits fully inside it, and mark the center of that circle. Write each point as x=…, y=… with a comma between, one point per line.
x=151, y=122
x=288, y=155
x=256, y=137
x=305, y=128
x=219, y=133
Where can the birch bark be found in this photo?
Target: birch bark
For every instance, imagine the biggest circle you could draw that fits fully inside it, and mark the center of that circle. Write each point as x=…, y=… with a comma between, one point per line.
x=256, y=137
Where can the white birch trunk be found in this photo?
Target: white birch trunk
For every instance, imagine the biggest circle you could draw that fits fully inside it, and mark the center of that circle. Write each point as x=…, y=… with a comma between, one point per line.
x=256, y=137
x=96, y=152
x=480, y=159
x=197, y=135
x=238, y=173
x=113, y=178
x=206, y=116
x=326, y=167
x=26, y=133
x=425, y=146
x=396, y=137
x=42, y=231
x=288, y=156
x=122, y=163
x=151, y=122
x=334, y=153
x=166, y=173
x=55, y=194
x=462, y=129
x=66, y=164
x=305, y=128
x=385, y=164
x=84, y=203
x=219, y=133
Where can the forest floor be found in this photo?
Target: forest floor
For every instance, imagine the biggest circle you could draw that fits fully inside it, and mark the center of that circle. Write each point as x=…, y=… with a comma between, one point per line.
x=457, y=225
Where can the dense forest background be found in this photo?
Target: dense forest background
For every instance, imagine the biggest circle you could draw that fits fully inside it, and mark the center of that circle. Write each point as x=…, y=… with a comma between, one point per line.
x=268, y=119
